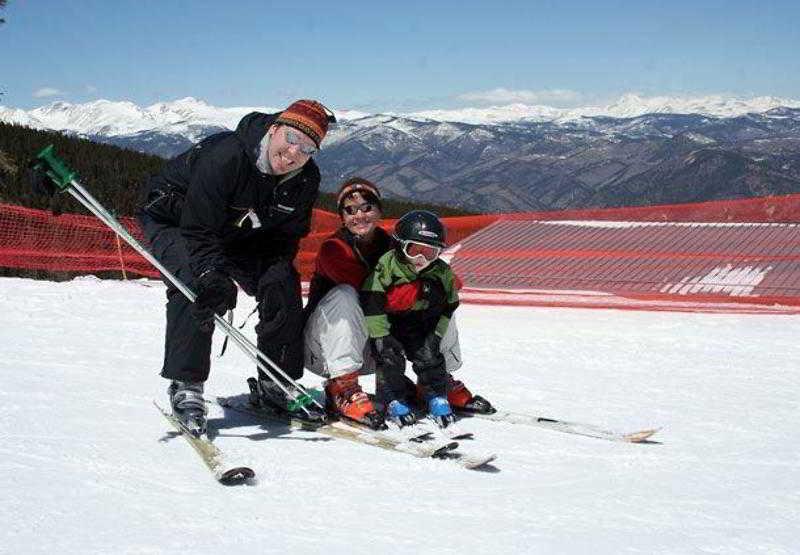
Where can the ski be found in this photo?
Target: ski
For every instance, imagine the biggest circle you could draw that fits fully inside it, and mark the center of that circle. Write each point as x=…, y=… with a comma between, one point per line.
x=210, y=454
x=468, y=458
x=417, y=443
x=454, y=431
x=564, y=426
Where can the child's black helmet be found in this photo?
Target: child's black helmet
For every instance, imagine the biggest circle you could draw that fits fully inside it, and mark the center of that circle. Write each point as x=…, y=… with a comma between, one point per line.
x=421, y=226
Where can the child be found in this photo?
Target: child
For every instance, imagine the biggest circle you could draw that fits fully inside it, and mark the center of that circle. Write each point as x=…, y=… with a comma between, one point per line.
x=415, y=334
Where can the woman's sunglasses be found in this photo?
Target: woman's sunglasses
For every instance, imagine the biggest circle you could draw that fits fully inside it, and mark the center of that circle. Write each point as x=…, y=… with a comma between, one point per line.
x=354, y=209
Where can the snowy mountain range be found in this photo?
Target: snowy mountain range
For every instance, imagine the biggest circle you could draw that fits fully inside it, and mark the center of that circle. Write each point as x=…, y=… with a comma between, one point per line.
x=635, y=151
x=183, y=116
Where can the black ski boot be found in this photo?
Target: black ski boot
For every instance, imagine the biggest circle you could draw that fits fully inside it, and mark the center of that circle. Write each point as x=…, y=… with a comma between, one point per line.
x=188, y=406
x=478, y=405
x=462, y=400
x=265, y=393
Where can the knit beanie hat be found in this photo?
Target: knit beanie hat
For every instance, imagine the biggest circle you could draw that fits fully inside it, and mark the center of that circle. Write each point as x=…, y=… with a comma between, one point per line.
x=309, y=116
x=366, y=187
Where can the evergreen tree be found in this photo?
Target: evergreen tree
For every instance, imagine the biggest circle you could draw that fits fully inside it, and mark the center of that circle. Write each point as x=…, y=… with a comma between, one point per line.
x=112, y=174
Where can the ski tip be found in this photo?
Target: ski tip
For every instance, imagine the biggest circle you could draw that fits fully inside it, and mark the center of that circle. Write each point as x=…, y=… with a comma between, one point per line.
x=483, y=463
x=235, y=476
x=479, y=462
x=641, y=436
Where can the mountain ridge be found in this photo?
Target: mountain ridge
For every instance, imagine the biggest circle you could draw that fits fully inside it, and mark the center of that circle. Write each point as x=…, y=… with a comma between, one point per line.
x=524, y=164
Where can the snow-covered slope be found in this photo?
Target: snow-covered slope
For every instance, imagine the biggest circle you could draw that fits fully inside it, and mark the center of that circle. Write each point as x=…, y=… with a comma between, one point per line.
x=88, y=465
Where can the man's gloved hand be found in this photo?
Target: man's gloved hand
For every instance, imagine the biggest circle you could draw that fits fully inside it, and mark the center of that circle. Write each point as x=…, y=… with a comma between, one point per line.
x=388, y=353
x=429, y=353
x=216, y=294
x=276, y=296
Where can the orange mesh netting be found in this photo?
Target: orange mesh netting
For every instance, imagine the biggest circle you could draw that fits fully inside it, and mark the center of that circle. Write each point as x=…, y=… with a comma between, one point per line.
x=38, y=240
x=739, y=255
x=521, y=258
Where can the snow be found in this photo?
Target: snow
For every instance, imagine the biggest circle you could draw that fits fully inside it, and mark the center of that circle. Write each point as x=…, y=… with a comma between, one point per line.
x=632, y=105
x=105, y=117
x=629, y=105
x=728, y=279
x=89, y=466
x=617, y=224
x=193, y=111
x=492, y=114
x=98, y=117
x=700, y=138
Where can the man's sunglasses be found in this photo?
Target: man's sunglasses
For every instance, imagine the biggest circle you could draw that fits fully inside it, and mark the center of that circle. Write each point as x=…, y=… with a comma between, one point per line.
x=365, y=208
x=294, y=139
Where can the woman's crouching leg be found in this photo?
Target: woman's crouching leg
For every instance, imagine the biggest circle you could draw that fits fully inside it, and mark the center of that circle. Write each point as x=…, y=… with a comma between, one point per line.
x=336, y=335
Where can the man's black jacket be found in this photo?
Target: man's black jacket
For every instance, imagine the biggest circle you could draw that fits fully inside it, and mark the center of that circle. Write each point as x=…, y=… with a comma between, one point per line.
x=226, y=208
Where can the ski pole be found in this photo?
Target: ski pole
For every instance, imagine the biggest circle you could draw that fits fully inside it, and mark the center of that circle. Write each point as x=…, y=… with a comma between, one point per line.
x=239, y=338
x=65, y=180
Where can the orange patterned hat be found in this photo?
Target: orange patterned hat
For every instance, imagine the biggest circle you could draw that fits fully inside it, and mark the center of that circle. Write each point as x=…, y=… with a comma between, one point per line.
x=309, y=116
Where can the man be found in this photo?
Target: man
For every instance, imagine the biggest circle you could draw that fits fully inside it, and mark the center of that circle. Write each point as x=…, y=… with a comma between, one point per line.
x=229, y=210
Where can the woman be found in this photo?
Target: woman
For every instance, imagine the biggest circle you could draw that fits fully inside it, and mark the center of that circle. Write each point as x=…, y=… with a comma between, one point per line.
x=336, y=338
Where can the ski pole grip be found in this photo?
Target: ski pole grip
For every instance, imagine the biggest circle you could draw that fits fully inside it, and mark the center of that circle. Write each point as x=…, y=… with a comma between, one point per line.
x=56, y=169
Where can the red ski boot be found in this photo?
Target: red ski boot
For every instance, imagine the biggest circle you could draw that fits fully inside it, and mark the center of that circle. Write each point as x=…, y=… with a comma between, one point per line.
x=345, y=398
x=462, y=400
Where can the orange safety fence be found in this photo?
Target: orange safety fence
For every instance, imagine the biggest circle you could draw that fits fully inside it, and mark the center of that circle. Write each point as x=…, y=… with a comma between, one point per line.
x=533, y=264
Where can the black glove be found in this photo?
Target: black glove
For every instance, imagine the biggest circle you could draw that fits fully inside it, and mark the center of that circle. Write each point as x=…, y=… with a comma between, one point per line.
x=388, y=353
x=277, y=297
x=216, y=294
x=433, y=292
x=429, y=366
x=429, y=353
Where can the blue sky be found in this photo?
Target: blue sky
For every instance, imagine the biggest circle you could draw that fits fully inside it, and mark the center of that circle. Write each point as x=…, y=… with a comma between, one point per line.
x=399, y=56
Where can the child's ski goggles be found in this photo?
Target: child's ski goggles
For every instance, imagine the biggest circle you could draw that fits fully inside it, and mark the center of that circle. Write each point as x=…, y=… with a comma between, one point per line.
x=415, y=250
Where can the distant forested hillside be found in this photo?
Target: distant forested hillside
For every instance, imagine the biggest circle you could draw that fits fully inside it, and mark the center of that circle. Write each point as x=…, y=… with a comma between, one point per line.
x=113, y=175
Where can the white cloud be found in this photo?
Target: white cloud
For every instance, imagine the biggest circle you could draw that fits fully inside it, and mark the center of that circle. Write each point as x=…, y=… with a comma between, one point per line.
x=45, y=92
x=506, y=96
x=91, y=89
